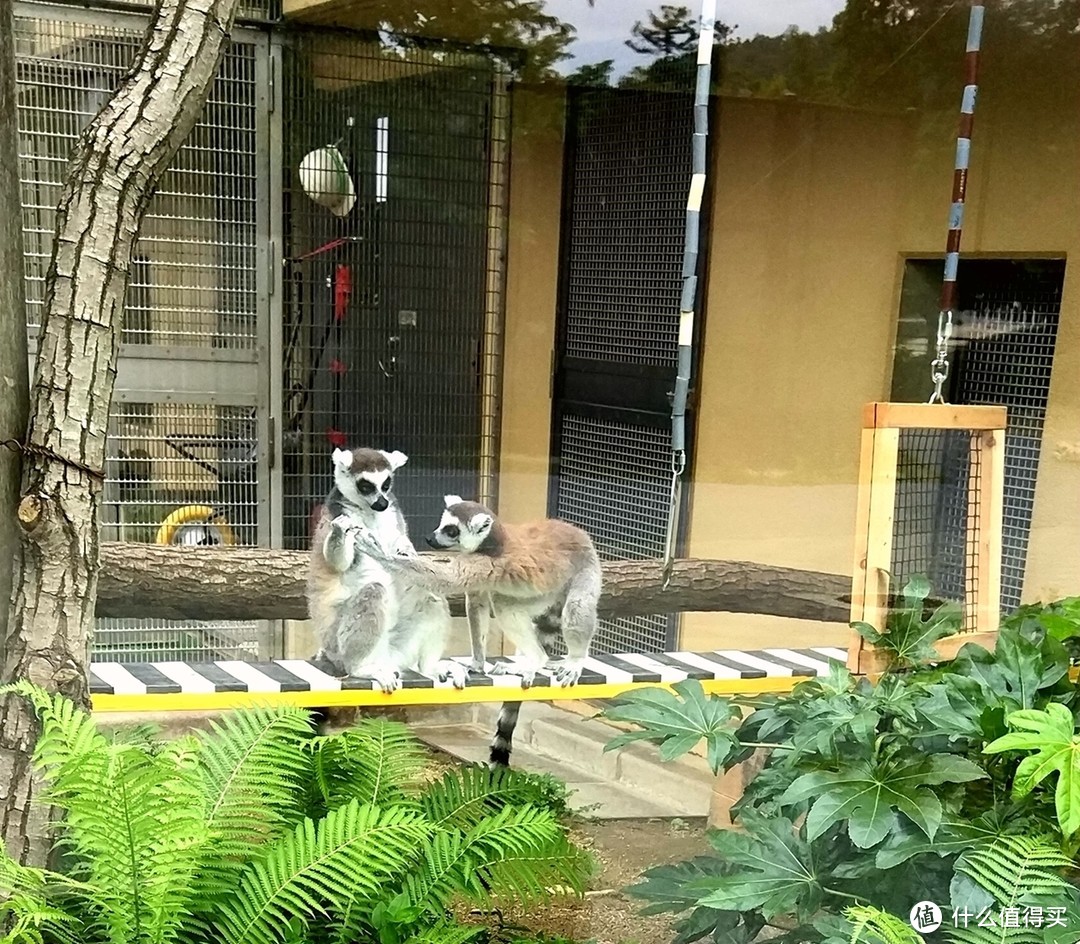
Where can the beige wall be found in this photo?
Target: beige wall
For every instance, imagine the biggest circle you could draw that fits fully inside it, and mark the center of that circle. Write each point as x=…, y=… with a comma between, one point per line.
x=532, y=278
x=815, y=210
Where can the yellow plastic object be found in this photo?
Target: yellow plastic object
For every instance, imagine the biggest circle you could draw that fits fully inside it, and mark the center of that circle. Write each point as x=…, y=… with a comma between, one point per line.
x=194, y=514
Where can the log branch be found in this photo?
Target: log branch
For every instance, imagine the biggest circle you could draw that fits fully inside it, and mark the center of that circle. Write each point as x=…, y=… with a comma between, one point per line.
x=139, y=580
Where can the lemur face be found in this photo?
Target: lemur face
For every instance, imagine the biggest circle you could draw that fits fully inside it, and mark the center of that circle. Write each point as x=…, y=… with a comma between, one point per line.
x=464, y=526
x=366, y=476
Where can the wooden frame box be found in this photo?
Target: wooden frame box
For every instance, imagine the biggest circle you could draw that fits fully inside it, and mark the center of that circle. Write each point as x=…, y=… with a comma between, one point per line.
x=874, y=523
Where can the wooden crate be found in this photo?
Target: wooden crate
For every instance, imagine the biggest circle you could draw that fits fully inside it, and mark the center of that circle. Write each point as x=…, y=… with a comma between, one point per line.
x=874, y=523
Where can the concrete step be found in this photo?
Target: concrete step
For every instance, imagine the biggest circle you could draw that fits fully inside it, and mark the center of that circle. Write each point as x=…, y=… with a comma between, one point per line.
x=632, y=782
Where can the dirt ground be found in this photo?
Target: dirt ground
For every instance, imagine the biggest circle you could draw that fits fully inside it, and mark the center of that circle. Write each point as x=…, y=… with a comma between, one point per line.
x=623, y=850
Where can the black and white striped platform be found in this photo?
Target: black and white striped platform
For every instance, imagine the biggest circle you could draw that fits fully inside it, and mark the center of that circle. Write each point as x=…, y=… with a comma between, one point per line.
x=178, y=686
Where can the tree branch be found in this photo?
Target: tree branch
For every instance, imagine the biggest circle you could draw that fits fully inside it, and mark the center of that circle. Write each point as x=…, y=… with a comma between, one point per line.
x=210, y=583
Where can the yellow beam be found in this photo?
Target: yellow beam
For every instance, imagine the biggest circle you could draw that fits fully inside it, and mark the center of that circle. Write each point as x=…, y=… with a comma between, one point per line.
x=218, y=701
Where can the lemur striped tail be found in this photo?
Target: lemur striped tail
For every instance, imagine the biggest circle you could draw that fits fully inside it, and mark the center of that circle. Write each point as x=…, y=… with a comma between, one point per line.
x=501, y=744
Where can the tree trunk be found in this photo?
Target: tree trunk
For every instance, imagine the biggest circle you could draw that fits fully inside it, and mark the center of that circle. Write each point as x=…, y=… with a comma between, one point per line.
x=211, y=583
x=114, y=168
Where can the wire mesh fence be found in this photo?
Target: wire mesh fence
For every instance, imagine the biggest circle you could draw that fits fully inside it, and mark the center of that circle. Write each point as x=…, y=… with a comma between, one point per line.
x=392, y=323
x=193, y=278
x=1002, y=352
x=193, y=287
x=939, y=485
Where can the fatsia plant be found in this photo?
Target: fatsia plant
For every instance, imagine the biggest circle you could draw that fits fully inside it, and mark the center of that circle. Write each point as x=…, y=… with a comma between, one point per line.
x=953, y=783
x=257, y=832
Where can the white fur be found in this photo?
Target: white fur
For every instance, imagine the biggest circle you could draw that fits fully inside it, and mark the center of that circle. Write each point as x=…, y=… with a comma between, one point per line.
x=449, y=500
x=477, y=531
x=396, y=459
x=342, y=459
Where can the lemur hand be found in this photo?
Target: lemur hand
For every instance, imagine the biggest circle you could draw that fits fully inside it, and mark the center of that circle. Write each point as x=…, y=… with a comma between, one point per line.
x=403, y=548
x=368, y=542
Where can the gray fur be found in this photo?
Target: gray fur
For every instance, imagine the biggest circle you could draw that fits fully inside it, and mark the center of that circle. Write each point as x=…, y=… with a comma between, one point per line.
x=369, y=621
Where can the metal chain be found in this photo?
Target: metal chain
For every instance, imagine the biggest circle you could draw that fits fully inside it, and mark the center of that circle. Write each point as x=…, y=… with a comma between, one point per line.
x=678, y=466
x=939, y=368
x=31, y=450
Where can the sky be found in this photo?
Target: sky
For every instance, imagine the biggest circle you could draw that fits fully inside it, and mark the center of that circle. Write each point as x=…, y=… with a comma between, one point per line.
x=603, y=28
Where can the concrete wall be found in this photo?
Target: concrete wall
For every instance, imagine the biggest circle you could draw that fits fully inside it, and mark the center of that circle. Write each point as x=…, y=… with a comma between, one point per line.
x=815, y=210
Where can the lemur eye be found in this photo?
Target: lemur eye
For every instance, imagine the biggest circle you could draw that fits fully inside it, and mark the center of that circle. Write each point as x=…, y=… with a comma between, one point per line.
x=365, y=487
x=388, y=484
x=451, y=531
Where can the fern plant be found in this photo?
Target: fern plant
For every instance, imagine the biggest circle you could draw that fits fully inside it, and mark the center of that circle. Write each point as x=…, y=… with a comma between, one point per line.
x=259, y=832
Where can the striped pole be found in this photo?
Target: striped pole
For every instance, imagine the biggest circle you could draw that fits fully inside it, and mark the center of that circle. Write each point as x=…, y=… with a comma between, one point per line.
x=689, y=273
x=959, y=192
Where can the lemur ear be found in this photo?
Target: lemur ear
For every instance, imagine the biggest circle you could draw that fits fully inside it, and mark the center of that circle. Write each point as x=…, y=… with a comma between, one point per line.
x=342, y=459
x=451, y=500
x=395, y=458
x=481, y=523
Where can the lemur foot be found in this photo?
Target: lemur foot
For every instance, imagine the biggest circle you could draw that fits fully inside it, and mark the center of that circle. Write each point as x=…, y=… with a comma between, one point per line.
x=477, y=667
x=528, y=676
x=385, y=676
x=567, y=671
x=454, y=671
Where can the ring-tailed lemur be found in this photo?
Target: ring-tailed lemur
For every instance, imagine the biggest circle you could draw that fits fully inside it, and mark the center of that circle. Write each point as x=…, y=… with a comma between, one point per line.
x=368, y=621
x=537, y=579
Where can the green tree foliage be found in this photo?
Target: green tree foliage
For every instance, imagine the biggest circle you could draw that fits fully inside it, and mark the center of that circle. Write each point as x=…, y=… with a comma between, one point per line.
x=956, y=783
x=258, y=832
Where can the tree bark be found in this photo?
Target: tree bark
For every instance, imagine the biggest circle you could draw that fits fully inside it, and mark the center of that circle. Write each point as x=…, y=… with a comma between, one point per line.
x=211, y=583
x=114, y=168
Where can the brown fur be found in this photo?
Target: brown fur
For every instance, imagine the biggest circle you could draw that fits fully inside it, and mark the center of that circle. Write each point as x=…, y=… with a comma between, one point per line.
x=540, y=557
x=368, y=460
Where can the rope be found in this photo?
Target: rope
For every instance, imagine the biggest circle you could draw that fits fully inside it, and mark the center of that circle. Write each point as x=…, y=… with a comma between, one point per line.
x=939, y=370
x=689, y=277
x=29, y=449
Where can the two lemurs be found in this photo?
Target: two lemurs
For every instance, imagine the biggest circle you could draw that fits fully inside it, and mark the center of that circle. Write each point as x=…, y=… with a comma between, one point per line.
x=379, y=607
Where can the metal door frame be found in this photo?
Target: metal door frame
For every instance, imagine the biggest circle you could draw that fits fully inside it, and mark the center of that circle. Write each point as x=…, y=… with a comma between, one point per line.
x=661, y=400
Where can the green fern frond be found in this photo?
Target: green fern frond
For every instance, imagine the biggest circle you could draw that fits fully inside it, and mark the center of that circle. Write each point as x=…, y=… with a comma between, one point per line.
x=321, y=866
x=135, y=823
x=465, y=796
x=29, y=919
x=1015, y=867
x=254, y=774
x=134, y=817
x=68, y=734
x=448, y=933
x=32, y=900
x=375, y=761
x=873, y=926
x=523, y=852
x=518, y=851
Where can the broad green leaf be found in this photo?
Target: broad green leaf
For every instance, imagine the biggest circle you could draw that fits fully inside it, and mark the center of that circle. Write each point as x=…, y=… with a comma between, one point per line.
x=865, y=795
x=1051, y=734
x=952, y=838
x=677, y=720
x=771, y=868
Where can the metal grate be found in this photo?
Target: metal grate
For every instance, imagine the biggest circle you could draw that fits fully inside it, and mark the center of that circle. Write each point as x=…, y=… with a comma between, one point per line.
x=614, y=483
x=393, y=311
x=1003, y=350
x=1008, y=335
x=631, y=164
x=163, y=457
x=936, y=487
x=194, y=278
